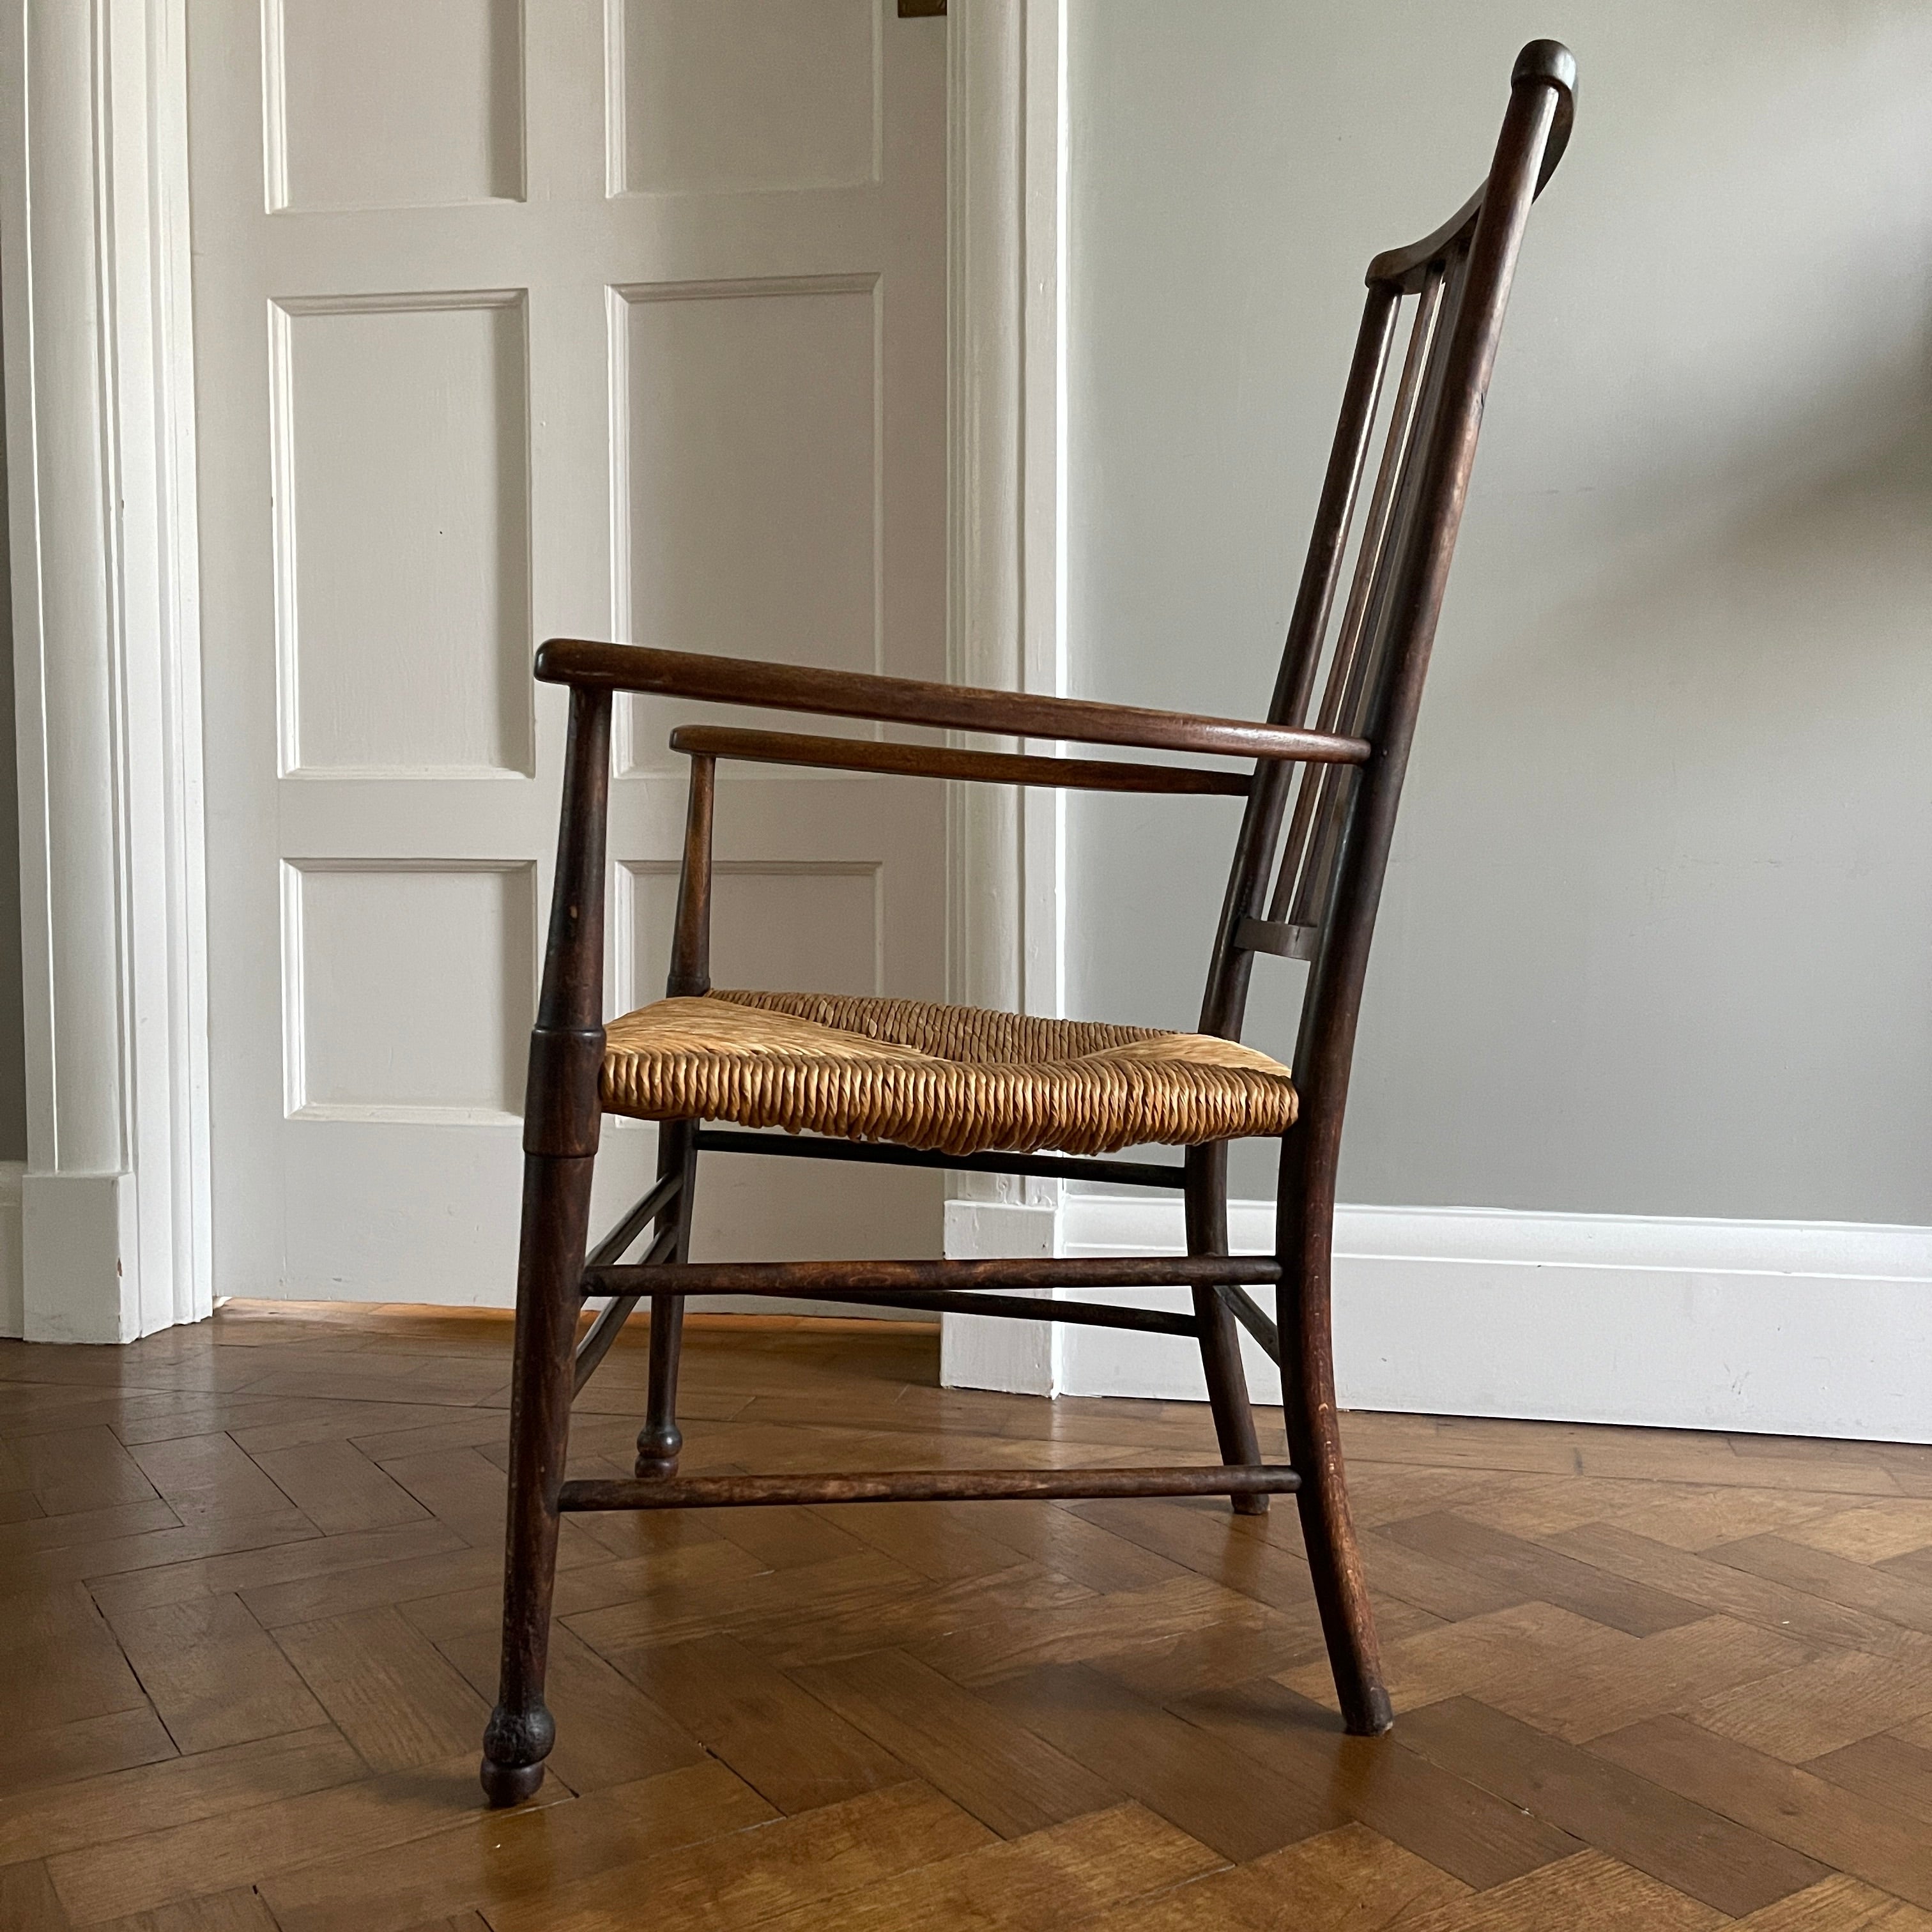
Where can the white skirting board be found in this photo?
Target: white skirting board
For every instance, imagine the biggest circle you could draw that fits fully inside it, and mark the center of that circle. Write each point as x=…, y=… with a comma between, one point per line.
x=1770, y=1327
x=12, y=1279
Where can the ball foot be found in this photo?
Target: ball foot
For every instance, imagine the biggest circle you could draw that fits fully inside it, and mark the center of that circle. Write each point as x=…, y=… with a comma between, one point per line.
x=505, y=1784
x=657, y=1451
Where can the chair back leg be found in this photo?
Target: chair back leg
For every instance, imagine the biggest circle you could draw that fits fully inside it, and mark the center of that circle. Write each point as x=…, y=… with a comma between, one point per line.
x=1306, y=1218
x=660, y=1441
x=1206, y=1196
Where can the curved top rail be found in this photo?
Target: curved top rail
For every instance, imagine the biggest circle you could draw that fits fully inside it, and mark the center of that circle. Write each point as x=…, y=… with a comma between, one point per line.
x=1541, y=60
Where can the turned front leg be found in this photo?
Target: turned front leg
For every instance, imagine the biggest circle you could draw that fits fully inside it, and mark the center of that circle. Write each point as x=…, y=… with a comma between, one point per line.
x=556, y=1209
x=562, y=1118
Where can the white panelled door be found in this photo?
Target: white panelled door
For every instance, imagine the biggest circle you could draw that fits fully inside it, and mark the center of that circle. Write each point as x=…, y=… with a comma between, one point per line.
x=514, y=321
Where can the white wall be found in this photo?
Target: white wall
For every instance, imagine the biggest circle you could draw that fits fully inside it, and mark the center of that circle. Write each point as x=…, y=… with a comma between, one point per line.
x=1644, y=1082
x=1658, y=938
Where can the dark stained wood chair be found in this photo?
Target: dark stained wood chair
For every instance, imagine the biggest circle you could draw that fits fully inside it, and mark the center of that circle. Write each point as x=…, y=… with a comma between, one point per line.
x=899, y=1081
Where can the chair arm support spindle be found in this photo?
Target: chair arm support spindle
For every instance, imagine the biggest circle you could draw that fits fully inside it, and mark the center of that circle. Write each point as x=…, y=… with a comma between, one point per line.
x=691, y=943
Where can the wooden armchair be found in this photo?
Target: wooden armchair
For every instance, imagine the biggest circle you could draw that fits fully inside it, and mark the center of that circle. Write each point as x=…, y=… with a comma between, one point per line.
x=906, y=1082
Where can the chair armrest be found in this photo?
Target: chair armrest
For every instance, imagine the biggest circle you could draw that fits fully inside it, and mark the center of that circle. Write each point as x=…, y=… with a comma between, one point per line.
x=867, y=754
x=904, y=701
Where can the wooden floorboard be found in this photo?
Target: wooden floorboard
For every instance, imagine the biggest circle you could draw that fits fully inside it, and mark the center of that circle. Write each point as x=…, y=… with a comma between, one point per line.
x=249, y=1574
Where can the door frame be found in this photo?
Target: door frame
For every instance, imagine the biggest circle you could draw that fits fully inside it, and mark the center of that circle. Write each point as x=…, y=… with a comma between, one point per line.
x=96, y=273
x=94, y=257
x=1006, y=181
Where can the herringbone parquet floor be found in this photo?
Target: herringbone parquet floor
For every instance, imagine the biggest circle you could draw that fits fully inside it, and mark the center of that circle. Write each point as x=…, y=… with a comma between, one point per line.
x=248, y=1575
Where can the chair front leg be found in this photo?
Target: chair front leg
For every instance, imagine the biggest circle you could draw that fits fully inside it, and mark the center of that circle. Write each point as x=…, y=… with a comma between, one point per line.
x=1206, y=1195
x=561, y=1117
x=1306, y=1239
x=556, y=1213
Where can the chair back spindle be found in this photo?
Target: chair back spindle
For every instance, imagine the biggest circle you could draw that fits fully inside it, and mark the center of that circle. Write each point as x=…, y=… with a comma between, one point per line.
x=1434, y=309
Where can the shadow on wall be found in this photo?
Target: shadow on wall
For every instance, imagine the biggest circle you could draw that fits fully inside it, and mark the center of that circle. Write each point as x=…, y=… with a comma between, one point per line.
x=1658, y=939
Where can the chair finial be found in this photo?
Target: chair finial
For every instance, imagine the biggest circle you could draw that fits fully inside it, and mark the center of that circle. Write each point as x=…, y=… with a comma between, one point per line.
x=1546, y=60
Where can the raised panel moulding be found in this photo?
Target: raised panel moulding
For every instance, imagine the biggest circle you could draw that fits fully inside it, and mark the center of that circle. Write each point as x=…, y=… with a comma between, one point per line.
x=399, y=428
x=408, y=989
x=1819, y=1328
x=741, y=96
x=745, y=421
x=370, y=104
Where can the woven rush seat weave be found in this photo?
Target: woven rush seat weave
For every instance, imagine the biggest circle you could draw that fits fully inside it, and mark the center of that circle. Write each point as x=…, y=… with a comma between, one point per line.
x=958, y=1079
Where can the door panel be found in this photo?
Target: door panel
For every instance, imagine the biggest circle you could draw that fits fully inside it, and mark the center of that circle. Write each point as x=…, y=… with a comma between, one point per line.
x=401, y=468
x=514, y=322
x=737, y=94
x=434, y=90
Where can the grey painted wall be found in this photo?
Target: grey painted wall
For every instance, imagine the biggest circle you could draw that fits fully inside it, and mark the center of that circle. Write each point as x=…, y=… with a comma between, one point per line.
x=13, y=1043
x=1658, y=938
